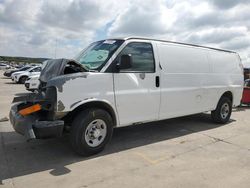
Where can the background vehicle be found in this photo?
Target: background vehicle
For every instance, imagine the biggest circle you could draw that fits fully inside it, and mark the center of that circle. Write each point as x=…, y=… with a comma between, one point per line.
x=32, y=83
x=8, y=73
x=246, y=93
x=21, y=76
x=18, y=66
x=246, y=73
x=121, y=82
x=4, y=66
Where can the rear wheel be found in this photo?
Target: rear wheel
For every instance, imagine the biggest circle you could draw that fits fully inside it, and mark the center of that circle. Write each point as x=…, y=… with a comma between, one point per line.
x=90, y=132
x=223, y=111
x=22, y=79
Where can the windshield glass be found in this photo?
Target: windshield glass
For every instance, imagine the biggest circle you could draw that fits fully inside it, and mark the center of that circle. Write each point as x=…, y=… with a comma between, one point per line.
x=95, y=56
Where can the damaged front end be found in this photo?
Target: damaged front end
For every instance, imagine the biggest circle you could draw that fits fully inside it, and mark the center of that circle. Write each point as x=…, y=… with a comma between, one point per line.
x=34, y=114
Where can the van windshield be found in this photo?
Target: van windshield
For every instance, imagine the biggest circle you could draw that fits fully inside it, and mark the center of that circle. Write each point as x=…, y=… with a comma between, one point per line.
x=95, y=56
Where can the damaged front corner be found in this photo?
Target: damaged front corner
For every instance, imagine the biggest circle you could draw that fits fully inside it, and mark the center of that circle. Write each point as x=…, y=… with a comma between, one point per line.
x=60, y=106
x=75, y=103
x=59, y=82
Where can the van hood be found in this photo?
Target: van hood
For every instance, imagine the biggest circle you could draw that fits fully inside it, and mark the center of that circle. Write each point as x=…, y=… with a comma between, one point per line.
x=57, y=67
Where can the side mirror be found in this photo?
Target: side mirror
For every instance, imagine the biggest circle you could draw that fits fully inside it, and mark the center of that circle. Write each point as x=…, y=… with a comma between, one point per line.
x=125, y=62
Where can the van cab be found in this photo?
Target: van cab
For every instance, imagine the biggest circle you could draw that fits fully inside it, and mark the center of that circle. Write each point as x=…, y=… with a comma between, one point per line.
x=125, y=81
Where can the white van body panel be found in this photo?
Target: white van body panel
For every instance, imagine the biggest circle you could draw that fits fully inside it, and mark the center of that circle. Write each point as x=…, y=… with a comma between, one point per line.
x=192, y=80
x=181, y=80
x=84, y=88
x=137, y=98
x=227, y=74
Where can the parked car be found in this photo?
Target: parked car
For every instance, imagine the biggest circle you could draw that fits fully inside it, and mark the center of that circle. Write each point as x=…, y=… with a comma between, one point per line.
x=21, y=76
x=246, y=93
x=18, y=66
x=32, y=83
x=246, y=73
x=4, y=66
x=9, y=72
x=121, y=82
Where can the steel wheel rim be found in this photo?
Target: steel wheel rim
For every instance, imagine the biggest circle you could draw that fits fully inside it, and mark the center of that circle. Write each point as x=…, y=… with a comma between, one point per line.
x=224, y=112
x=95, y=132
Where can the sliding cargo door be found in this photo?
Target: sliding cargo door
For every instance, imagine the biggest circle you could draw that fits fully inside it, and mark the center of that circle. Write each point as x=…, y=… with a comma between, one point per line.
x=184, y=69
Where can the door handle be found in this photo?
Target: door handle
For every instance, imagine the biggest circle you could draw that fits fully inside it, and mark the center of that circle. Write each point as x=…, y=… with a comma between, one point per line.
x=157, y=81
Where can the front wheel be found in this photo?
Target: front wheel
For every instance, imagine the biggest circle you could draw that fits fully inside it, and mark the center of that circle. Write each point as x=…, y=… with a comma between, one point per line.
x=90, y=132
x=223, y=111
x=22, y=79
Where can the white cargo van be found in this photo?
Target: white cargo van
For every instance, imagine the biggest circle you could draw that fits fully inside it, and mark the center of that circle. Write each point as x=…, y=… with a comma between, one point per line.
x=120, y=82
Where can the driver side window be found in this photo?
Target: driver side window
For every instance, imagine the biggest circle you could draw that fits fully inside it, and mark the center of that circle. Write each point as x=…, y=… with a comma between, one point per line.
x=142, y=57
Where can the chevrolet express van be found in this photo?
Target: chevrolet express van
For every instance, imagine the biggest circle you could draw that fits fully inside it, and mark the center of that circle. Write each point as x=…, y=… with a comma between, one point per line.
x=126, y=81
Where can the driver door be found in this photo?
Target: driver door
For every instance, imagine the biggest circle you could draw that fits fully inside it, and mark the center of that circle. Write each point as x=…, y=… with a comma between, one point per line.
x=137, y=92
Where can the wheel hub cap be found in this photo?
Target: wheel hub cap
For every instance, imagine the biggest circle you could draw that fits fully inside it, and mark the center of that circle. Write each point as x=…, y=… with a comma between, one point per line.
x=95, y=133
x=224, y=110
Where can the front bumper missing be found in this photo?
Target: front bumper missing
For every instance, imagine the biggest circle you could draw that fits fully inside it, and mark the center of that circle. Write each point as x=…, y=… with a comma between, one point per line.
x=34, y=126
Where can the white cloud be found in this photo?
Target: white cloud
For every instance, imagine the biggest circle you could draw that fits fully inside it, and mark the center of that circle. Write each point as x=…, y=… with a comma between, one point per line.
x=201, y=22
x=36, y=28
x=145, y=18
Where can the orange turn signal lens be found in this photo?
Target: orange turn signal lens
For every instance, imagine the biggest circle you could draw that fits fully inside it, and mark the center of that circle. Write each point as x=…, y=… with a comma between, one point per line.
x=30, y=109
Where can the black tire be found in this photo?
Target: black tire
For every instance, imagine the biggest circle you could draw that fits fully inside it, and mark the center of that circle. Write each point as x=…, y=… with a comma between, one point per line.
x=217, y=115
x=78, y=131
x=22, y=79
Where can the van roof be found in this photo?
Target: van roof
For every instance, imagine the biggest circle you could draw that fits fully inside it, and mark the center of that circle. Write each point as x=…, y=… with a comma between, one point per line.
x=187, y=44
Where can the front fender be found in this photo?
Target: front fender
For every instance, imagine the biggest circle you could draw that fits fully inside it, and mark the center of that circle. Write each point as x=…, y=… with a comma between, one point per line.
x=93, y=102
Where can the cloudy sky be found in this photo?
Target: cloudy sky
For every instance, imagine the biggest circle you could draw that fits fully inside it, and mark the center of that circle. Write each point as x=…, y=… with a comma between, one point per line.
x=61, y=28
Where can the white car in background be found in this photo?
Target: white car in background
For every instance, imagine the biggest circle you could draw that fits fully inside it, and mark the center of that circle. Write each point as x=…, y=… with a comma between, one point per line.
x=20, y=77
x=32, y=83
x=4, y=66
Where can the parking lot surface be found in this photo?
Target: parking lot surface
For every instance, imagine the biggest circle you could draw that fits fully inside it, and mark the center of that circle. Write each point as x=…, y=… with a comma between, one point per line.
x=190, y=152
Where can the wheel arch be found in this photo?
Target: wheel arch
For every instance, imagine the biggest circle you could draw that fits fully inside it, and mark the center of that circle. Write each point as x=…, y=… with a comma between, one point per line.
x=22, y=76
x=92, y=104
x=228, y=94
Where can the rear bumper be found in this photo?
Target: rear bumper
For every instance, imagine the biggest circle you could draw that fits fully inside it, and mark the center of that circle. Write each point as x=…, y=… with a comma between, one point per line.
x=32, y=128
